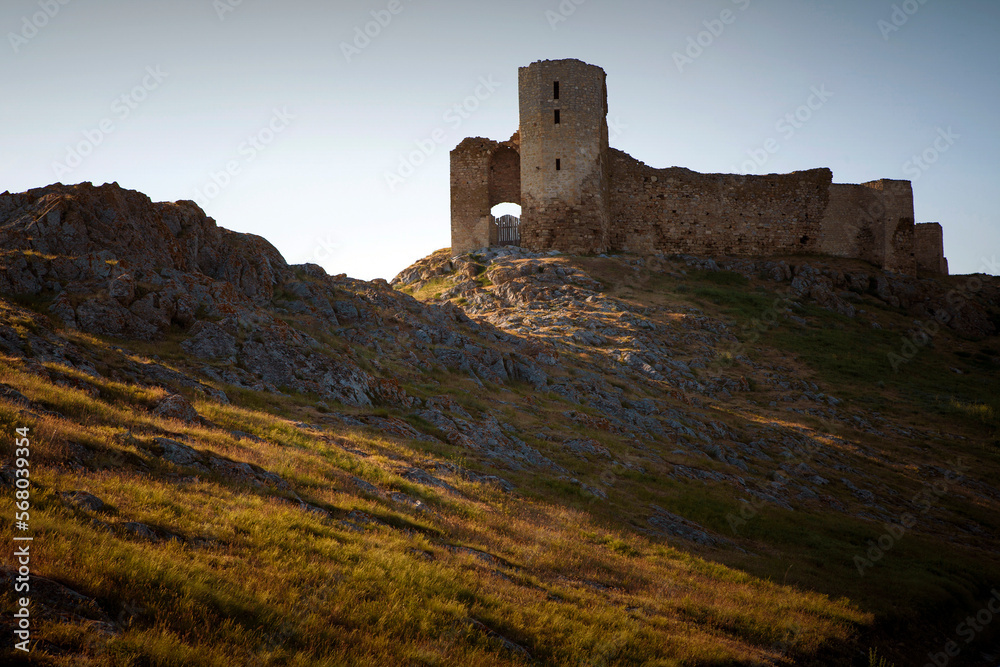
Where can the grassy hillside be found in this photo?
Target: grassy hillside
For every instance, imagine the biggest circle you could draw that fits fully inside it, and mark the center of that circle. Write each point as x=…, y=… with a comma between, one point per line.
x=399, y=573
x=593, y=509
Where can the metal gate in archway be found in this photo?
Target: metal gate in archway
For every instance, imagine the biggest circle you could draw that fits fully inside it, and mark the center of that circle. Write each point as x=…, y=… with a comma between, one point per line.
x=508, y=230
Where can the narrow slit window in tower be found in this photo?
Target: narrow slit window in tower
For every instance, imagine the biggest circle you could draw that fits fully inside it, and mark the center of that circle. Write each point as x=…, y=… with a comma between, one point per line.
x=557, y=116
x=555, y=90
x=558, y=164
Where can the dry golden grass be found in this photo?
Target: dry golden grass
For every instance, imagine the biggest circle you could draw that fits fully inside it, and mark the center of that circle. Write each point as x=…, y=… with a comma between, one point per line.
x=255, y=579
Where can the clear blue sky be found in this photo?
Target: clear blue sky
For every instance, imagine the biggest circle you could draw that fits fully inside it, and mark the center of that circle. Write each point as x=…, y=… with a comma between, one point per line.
x=311, y=131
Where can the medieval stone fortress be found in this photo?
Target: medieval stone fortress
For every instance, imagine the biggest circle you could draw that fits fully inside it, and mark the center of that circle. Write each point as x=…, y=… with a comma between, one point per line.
x=580, y=196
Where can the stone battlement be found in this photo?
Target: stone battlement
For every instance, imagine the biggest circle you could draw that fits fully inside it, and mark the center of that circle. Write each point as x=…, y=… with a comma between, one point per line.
x=580, y=196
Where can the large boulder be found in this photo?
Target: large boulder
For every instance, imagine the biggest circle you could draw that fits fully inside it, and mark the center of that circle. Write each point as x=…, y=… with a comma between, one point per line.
x=177, y=407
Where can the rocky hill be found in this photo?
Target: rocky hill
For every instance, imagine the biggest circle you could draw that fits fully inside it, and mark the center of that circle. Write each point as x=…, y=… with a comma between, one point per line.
x=501, y=458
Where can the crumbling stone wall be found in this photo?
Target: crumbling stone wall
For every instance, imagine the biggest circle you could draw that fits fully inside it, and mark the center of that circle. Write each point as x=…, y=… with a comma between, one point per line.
x=484, y=173
x=681, y=211
x=505, y=176
x=897, y=204
x=582, y=197
x=854, y=224
x=872, y=221
x=928, y=245
x=564, y=152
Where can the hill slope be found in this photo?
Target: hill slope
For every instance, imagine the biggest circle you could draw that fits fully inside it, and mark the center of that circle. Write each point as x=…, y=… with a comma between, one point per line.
x=507, y=458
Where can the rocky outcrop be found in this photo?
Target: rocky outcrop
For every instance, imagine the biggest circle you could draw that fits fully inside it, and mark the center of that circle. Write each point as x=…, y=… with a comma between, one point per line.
x=118, y=264
x=110, y=262
x=123, y=228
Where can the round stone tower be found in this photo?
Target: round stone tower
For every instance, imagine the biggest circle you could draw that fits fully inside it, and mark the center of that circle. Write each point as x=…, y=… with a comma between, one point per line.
x=564, y=156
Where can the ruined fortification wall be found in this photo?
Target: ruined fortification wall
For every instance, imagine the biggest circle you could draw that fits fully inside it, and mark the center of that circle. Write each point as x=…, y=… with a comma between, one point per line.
x=470, y=195
x=581, y=197
x=854, y=224
x=564, y=146
x=505, y=176
x=897, y=204
x=928, y=247
x=484, y=173
x=872, y=221
x=680, y=211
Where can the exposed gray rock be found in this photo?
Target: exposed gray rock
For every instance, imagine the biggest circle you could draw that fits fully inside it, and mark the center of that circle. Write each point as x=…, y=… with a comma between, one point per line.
x=582, y=447
x=13, y=395
x=153, y=309
x=52, y=601
x=488, y=437
x=122, y=289
x=111, y=319
x=176, y=406
x=62, y=308
x=208, y=340
x=85, y=501
x=139, y=530
x=364, y=486
x=677, y=526
x=177, y=452
x=421, y=476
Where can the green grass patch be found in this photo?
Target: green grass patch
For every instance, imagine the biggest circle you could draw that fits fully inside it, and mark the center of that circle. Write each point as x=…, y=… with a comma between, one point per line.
x=721, y=278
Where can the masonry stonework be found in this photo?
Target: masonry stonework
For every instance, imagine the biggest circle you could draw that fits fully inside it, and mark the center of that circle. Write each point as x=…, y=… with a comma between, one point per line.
x=680, y=211
x=929, y=249
x=564, y=153
x=484, y=173
x=582, y=197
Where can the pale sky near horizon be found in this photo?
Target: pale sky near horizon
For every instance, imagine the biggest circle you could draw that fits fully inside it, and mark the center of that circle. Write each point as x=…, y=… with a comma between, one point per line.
x=302, y=132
